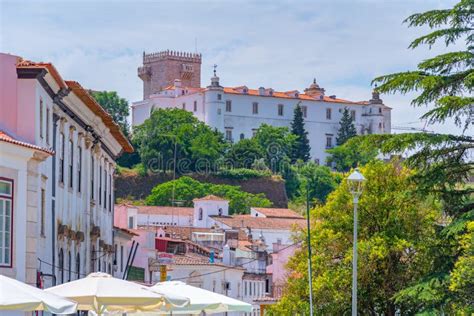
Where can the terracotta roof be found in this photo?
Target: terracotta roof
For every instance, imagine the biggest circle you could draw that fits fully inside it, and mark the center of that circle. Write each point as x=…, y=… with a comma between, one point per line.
x=210, y=198
x=243, y=221
x=164, y=210
x=28, y=64
x=198, y=260
x=4, y=137
x=287, y=95
x=185, y=232
x=126, y=231
x=95, y=107
x=277, y=212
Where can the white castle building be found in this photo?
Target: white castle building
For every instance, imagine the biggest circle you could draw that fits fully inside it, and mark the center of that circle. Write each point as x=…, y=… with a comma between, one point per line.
x=172, y=80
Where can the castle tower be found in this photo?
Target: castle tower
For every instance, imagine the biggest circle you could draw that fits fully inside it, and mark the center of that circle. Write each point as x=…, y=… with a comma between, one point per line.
x=160, y=69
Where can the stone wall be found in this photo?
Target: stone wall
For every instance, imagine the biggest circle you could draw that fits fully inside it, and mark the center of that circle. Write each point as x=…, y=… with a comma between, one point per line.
x=138, y=187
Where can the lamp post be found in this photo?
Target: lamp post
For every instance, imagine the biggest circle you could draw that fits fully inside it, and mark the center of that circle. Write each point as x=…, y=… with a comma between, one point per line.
x=310, y=272
x=355, y=182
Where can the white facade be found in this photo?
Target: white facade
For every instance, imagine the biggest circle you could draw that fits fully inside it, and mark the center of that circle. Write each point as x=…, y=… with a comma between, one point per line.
x=238, y=112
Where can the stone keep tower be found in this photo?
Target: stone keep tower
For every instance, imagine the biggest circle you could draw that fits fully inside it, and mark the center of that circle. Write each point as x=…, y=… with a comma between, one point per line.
x=160, y=69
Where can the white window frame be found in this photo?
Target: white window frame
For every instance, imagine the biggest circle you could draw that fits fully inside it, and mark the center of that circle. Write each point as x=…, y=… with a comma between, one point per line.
x=6, y=247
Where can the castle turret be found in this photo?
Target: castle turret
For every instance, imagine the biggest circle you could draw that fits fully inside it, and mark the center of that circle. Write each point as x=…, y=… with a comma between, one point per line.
x=375, y=97
x=160, y=69
x=214, y=104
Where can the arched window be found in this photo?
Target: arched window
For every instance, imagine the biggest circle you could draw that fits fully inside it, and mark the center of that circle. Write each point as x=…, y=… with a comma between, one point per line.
x=78, y=265
x=219, y=212
x=61, y=265
x=200, y=214
x=242, y=136
x=69, y=266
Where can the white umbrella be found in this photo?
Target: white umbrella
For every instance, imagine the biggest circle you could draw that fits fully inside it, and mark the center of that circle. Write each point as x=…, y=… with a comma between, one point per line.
x=18, y=296
x=200, y=300
x=100, y=292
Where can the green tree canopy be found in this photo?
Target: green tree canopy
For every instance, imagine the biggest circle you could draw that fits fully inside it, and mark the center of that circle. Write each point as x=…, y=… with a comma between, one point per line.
x=198, y=147
x=244, y=153
x=320, y=181
x=396, y=232
x=353, y=153
x=347, y=129
x=277, y=144
x=186, y=189
x=444, y=162
x=301, y=149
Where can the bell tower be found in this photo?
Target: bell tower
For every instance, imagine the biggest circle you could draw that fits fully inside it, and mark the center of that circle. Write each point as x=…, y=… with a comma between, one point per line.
x=159, y=70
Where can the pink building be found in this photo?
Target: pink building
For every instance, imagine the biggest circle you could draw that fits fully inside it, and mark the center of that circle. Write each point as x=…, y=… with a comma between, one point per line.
x=280, y=256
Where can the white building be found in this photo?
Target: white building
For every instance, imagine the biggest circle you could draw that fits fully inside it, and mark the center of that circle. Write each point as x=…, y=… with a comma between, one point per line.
x=70, y=193
x=238, y=112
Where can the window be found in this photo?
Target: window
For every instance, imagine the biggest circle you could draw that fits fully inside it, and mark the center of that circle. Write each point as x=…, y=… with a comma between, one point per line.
x=380, y=110
x=93, y=258
x=353, y=115
x=305, y=110
x=100, y=185
x=47, y=126
x=228, y=106
x=79, y=168
x=228, y=134
x=219, y=212
x=41, y=118
x=92, y=177
x=61, y=265
x=380, y=125
x=71, y=160
x=200, y=214
x=242, y=136
x=43, y=213
x=69, y=266
x=328, y=114
x=255, y=108
x=105, y=188
x=61, y=157
x=316, y=161
x=328, y=141
x=280, y=109
x=245, y=288
x=121, y=258
x=110, y=193
x=184, y=106
x=6, y=222
x=195, y=106
x=78, y=265
x=130, y=222
x=219, y=96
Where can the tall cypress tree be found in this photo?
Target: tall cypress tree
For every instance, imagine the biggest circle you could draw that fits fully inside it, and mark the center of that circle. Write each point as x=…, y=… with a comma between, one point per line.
x=347, y=129
x=301, y=148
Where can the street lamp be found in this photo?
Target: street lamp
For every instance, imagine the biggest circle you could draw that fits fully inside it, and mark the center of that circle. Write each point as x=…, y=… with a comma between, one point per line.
x=355, y=182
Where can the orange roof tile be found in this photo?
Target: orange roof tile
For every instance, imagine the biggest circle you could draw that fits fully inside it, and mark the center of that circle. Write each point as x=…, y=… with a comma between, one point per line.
x=95, y=107
x=165, y=210
x=277, y=212
x=4, y=137
x=28, y=64
x=243, y=221
x=210, y=198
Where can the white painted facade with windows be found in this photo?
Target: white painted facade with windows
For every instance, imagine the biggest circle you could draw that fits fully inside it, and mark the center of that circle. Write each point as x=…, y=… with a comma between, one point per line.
x=238, y=112
x=68, y=197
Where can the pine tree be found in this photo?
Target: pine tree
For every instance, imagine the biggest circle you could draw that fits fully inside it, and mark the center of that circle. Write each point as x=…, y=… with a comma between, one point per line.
x=347, y=129
x=301, y=148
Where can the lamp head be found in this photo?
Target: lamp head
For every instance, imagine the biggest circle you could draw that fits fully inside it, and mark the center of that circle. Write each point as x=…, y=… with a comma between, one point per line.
x=355, y=182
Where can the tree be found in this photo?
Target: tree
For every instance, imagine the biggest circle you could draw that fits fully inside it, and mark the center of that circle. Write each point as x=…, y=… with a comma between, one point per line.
x=116, y=106
x=319, y=180
x=186, y=189
x=353, y=153
x=277, y=144
x=346, y=128
x=197, y=146
x=301, y=149
x=445, y=83
x=396, y=233
x=244, y=153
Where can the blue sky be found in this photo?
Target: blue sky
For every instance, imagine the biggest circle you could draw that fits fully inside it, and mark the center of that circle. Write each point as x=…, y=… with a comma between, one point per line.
x=278, y=44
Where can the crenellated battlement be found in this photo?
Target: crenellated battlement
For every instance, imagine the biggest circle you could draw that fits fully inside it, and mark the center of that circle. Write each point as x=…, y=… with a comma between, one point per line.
x=171, y=54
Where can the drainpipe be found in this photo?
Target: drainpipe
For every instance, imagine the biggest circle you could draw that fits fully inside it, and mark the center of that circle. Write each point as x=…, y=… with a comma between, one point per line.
x=53, y=202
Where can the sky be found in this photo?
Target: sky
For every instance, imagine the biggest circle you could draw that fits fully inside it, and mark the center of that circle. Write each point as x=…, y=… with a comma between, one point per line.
x=283, y=45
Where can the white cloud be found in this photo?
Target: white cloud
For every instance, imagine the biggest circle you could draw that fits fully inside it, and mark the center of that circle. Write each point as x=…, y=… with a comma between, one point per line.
x=279, y=44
